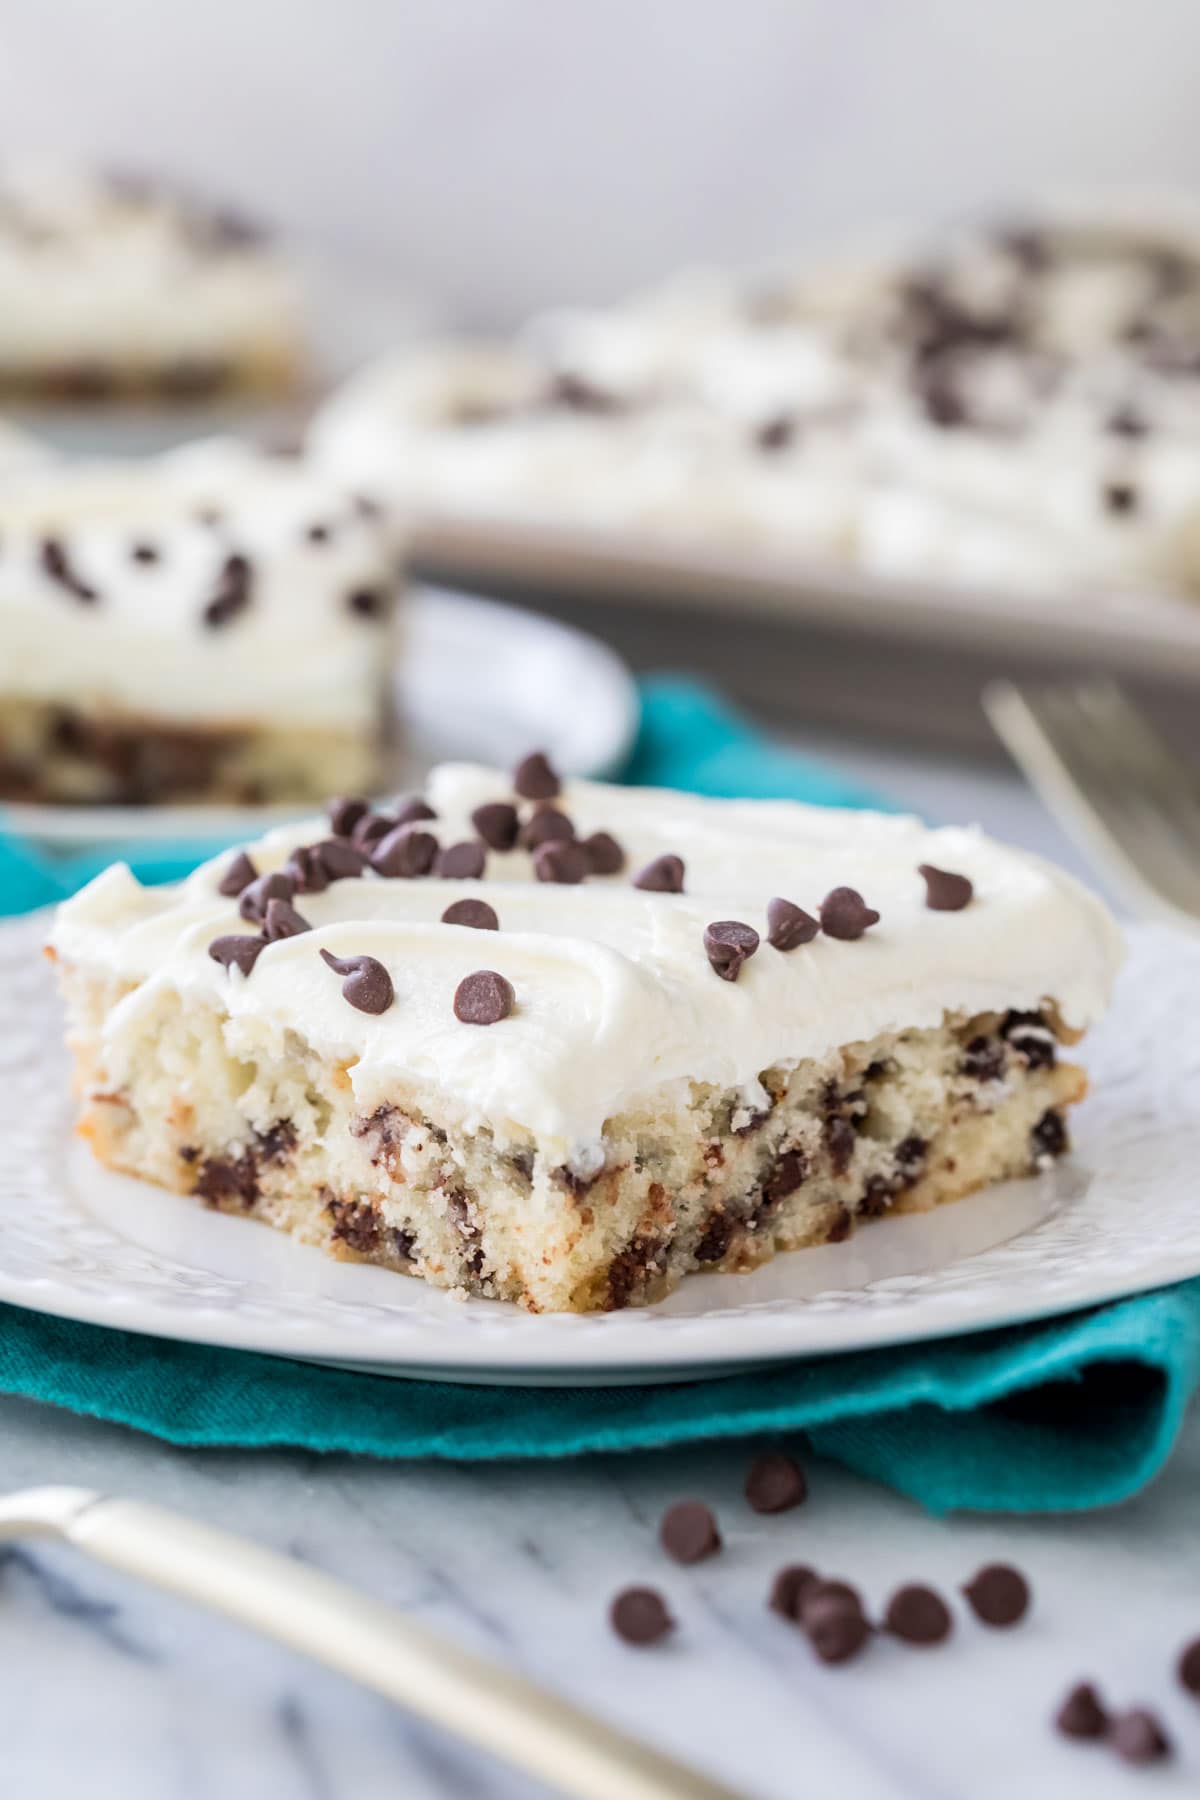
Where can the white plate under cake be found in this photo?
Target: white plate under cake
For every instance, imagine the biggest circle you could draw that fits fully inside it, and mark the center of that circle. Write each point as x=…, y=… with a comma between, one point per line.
x=565, y=1044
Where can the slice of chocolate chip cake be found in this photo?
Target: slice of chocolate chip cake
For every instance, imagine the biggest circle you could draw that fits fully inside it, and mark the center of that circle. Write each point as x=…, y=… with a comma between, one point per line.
x=565, y=1044
x=213, y=625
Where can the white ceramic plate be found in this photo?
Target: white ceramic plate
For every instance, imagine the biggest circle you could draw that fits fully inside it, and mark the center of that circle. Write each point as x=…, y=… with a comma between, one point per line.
x=476, y=680
x=1117, y=1217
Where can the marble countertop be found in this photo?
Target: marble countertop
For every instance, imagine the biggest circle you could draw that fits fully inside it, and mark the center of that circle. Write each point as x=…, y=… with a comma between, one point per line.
x=112, y=1689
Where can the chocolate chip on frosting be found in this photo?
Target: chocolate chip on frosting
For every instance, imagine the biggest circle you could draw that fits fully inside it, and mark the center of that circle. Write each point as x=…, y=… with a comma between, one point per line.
x=483, y=998
x=544, y=826
x=775, y=1483
x=998, y=1595
x=918, y=1615
x=605, y=856
x=688, y=1532
x=306, y=869
x=367, y=985
x=237, y=951
x=371, y=828
x=560, y=860
x=775, y=433
x=366, y=603
x=534, y=779
x=255, y=898
x=340, y=861
x=414, y=809
x=1082, y=1713
x=640, y=1616
x=406, y=851
x=476, y=913
x=57, y=565
x=145, y=553
x=727, y=944
x=232, y=593
x=238, y=875
x=1138, y=1737
x=845, y=914
x=1120, y=497
x=497, y=824
x=283, y=921
x=662, y=876
x=945, y=891
x=345, y=813
x=789, y=926
x=462, y=862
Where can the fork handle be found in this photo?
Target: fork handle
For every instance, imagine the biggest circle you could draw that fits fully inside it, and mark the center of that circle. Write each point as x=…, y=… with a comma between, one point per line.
x=497, y=1711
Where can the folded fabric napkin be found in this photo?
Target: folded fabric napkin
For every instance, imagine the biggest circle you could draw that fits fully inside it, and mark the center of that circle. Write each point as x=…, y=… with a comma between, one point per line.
x=1060, y=1415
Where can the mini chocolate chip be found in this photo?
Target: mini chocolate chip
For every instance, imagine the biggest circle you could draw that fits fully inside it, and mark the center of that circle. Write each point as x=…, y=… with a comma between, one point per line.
x=255, y=898
x=1138, y=1737
x=366, y=603
x=845, y=914
x=345, y=813
x=496, y=822
x=237, y=951
x=789, y=926
x=56, y=563
x=283, y=921
x=144, y=553
x=639, y=1616
x=998, y=1594
x=918, y=1615
x=560, y=860
x=942, y=403
x=1049, y=1135
x=836, y=1630
x=788, y=1589
x=340, y=861
x=367, y=985
x=1127, y=422
x=1121, y=497
x=1082, y=1713
x=407, y=851
x=688, y=1532
x=605, y=856
x=944, y=891
x=371, y=828
x=775, y=1483
x=475, y=913
x=238, y=875
x=483, y=998
x=232, y=593
x=545, y=826
x=1189, y=1667
x=1034, y=1043
x=727, y=944
x=534, y=779
x=662, y=876
x=983, y=1059
x=318, y=533
x=415, y=809
x=462, y=862
x=306, y=870
x=776, y=433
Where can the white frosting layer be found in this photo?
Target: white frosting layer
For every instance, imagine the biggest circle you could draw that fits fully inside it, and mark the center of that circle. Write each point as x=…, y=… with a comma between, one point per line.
x=93, y=272
x=615, y=997
x=1015, y=496
x=297, y=654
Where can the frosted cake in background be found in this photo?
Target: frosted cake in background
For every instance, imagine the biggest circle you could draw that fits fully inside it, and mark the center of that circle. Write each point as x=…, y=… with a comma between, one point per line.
x=214, y=624
x=1018, y=408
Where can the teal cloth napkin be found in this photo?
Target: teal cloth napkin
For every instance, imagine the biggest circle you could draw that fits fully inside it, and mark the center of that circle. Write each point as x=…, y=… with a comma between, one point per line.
x=1061, y=1415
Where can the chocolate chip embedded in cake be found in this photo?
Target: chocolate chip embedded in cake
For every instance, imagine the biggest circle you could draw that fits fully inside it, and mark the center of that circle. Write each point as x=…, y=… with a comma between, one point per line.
x=568, y=1088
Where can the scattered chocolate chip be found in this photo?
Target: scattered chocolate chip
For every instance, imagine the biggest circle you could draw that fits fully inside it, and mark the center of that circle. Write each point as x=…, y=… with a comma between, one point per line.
x=789, y=1171
x=57, y=565
x=788, y=1589
x=144, y=553
x=998, y=1594
x=983, y=1059
x=580, y=395
x=841, y=1591
x=345, y=813
x=662, y=876
x=942, y=402
x=483, y=998
x=688, y=1532
x=283, y=921
x=318, y=533
x=1127, y=422
x=918, y=1615
x=546, y=825
x=1138, y=1737
x=340, y=861
x=775, y=1483
x=232, y=593
x=476, y=913
x=497, y=823
x=237, y=951
x=406, y=852
x=944, y=891
x=775, y=433
x=639, y=1616
x=789, y=926
x=462, y=862
x=367, y=985
x=1189, y=1667
x=1120, y=497
x=371, y=828
x=1081, y=1714
x=367, y=603
x=238, y=875
x=413, y=810
x=1049, y=1135
x=605, y=856
x=727, y=944
x=306, y=870
x=836, y=1629
x=845, y=914
x=560, y=860
x=534, y=779
x=255, y=898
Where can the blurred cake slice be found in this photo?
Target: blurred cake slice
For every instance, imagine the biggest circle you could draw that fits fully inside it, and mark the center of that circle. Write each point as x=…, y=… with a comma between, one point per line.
x=566, y=1045
x=210, y=625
